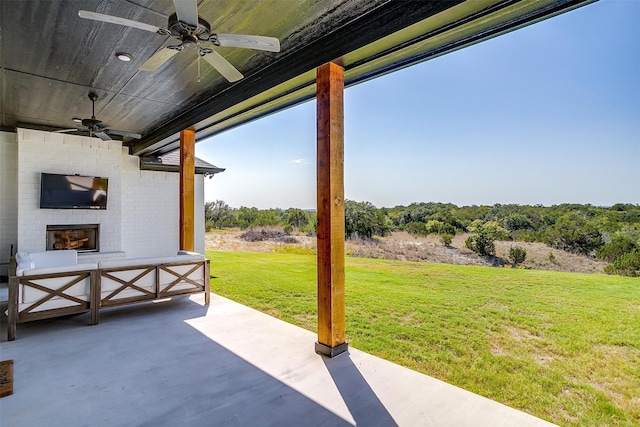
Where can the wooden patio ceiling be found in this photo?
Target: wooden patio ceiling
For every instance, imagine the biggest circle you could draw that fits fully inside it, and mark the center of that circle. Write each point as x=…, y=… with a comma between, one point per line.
x=50, y=59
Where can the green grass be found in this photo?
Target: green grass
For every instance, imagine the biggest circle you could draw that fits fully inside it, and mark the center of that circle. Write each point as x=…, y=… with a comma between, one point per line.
x=562, y=346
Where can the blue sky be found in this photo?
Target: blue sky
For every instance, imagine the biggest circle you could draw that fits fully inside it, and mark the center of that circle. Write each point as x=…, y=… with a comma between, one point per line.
x=547, y=114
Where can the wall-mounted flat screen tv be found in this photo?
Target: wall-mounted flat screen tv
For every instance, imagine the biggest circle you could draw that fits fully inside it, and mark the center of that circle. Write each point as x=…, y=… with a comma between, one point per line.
x=73, y=192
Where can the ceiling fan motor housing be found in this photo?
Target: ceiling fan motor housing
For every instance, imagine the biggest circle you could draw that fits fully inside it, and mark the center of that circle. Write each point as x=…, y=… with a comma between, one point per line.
x=189, y=34
x=91, y=123
x=192, y=32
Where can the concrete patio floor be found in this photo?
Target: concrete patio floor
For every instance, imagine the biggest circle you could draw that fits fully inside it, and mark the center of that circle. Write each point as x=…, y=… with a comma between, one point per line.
x=179, y=362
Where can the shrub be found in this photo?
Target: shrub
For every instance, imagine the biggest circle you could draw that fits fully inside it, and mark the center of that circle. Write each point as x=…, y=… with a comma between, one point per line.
x=517, y=254
x=525, y=236
x=517, y=221
x=447, y=229
x=482, y=244
x=310, y=228
x=268, y=217
x=433, y=226
x=247, y=216
x=490, y=229
x=470, y=243
x=618, y=246
x=416, y=228
x=364, y=220
x=218, y=215
x=296, y=217
x=625, y=265
x=493, y=230
x=573, y=233
x=446, y=238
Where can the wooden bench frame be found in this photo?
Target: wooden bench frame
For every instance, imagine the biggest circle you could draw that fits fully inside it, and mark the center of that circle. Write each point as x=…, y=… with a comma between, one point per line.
x=15, y=315
x=96, y=301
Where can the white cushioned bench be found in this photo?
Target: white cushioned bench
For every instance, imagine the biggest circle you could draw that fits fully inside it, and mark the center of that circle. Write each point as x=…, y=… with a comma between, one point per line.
x=130, y=280
x=48, y=284
x=52, y=284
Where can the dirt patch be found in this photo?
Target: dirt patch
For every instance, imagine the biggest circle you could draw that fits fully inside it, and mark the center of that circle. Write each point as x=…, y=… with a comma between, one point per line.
x=520, y=334
x=518, y=342
x=230, y=241
x=403, y=246
x=496, y=348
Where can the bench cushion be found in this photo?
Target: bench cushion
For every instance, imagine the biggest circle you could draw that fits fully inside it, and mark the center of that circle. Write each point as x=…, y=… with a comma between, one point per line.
x=134, y=262
x=23, y=262
x=54, y=258
x=60, y=269
x=181, y=252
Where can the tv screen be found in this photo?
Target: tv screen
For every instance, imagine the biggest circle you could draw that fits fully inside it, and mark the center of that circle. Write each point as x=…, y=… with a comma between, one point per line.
x=73, y=192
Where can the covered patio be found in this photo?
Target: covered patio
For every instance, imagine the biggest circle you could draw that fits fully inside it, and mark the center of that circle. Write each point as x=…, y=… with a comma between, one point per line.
x=185, y=363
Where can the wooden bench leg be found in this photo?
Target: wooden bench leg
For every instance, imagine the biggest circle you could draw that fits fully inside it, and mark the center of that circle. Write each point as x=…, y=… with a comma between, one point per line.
x=207, y=282
x=12, y=312
x=94, y=297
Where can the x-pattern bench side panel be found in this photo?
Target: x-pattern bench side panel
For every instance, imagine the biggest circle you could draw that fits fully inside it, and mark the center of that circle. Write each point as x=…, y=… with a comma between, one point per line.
x=17, y=315
x=181, y=278
x=110, y=299
x=51, y=293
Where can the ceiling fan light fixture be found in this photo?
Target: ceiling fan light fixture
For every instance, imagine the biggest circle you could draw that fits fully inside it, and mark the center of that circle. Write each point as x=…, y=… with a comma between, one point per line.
x=124, y=57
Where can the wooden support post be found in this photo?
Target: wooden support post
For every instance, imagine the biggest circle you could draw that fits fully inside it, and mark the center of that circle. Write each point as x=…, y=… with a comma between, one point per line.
x=330, y=183
x=187, y=190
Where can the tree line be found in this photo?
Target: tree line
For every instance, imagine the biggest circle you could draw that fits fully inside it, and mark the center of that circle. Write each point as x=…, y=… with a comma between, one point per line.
x=611, y=233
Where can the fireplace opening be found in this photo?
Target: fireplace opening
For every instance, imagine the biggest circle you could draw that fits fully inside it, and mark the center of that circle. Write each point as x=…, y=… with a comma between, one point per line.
x=81, y=237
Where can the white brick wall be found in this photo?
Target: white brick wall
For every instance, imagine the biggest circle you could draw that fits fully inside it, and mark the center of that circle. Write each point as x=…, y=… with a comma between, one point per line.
x=151, y=215
x=8, y=197
x=39, y=152
x=142, y=217
x=151, y=211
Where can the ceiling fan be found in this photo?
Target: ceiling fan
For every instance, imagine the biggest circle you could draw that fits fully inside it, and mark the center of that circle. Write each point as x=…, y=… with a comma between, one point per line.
x=192, y=31
x=97, y=128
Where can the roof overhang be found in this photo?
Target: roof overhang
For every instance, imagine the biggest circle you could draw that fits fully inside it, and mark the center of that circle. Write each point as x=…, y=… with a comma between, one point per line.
x=170, y=162
x=51, y=59
x=388, y=38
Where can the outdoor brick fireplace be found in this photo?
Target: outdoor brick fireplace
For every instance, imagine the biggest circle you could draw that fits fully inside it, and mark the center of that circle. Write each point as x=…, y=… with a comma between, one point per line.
x=81, y=237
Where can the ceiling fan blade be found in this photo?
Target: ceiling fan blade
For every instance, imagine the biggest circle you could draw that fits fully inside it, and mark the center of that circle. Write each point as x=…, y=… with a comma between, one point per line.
x=157, y=59
x=187, y=11
x=223, y=66
x=116, y=20
x=271, y=44
x=66, y=130
x=103, y=136
x=123, y=133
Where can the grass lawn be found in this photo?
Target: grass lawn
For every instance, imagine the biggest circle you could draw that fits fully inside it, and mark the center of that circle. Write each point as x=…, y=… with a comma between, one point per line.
x=562, y=346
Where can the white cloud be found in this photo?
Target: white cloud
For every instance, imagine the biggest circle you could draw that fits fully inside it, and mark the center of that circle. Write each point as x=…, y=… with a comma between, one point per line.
x=299, y=162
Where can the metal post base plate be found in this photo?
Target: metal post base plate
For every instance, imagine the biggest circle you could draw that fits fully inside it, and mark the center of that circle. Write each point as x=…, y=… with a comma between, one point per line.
x=325, y=350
